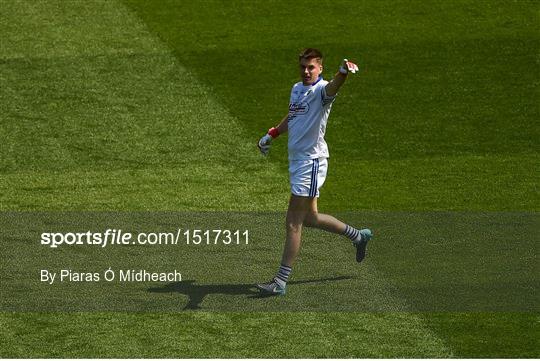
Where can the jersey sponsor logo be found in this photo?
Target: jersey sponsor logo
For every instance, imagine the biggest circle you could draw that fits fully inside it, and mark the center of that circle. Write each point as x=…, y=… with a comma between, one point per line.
x=298, y=108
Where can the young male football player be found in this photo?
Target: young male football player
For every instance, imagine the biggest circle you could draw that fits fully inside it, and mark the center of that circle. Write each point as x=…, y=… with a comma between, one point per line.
x=310, y=104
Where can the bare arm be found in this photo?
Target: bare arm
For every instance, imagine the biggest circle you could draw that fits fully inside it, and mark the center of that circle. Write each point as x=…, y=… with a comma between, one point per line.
x=333, y=86
x=283, y=126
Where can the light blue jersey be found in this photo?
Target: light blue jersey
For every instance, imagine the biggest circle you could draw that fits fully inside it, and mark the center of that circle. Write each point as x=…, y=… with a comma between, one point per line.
x=309, y=109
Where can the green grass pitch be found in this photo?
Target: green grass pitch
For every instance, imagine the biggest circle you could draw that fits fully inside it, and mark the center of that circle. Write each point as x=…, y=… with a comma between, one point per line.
x=157, y=106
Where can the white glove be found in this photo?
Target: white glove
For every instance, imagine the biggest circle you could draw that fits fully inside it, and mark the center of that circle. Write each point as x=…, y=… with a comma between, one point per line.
x=265, y=143
x=348, y=66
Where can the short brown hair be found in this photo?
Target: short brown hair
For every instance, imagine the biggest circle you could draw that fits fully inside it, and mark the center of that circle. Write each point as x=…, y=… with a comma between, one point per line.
x=311, y=53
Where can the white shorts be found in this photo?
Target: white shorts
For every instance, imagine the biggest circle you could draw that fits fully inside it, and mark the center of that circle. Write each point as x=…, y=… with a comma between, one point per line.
x=307, y=176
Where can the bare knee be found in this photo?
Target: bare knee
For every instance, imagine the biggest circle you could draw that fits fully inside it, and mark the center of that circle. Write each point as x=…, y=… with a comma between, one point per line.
x=312, y=219
x=293, y=222
x=294, y=227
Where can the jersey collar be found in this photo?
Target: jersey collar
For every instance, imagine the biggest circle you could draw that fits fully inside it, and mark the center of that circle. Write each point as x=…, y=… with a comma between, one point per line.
x=316, y=81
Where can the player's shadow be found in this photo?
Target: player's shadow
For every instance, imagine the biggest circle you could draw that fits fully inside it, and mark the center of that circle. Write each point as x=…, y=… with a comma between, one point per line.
x=197, y=293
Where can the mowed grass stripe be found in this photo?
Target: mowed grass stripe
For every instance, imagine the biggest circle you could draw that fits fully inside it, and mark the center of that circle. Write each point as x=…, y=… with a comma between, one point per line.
x=188, y=187
x=80, y=63
x=218, y=335
x=113, y=108
x=445, y=184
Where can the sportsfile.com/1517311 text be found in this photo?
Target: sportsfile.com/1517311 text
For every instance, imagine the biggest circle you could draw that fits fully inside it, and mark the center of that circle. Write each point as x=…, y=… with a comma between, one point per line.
x=118, y=237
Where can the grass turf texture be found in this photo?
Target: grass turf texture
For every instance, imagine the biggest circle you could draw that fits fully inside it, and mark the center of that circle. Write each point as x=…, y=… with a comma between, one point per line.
x=134, y=106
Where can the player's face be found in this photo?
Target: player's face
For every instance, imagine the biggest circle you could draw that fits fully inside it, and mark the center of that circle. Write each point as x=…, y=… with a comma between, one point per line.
x=310, y=69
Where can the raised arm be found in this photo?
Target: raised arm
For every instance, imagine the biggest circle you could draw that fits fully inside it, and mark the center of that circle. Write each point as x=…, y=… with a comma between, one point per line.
x=333, y=86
